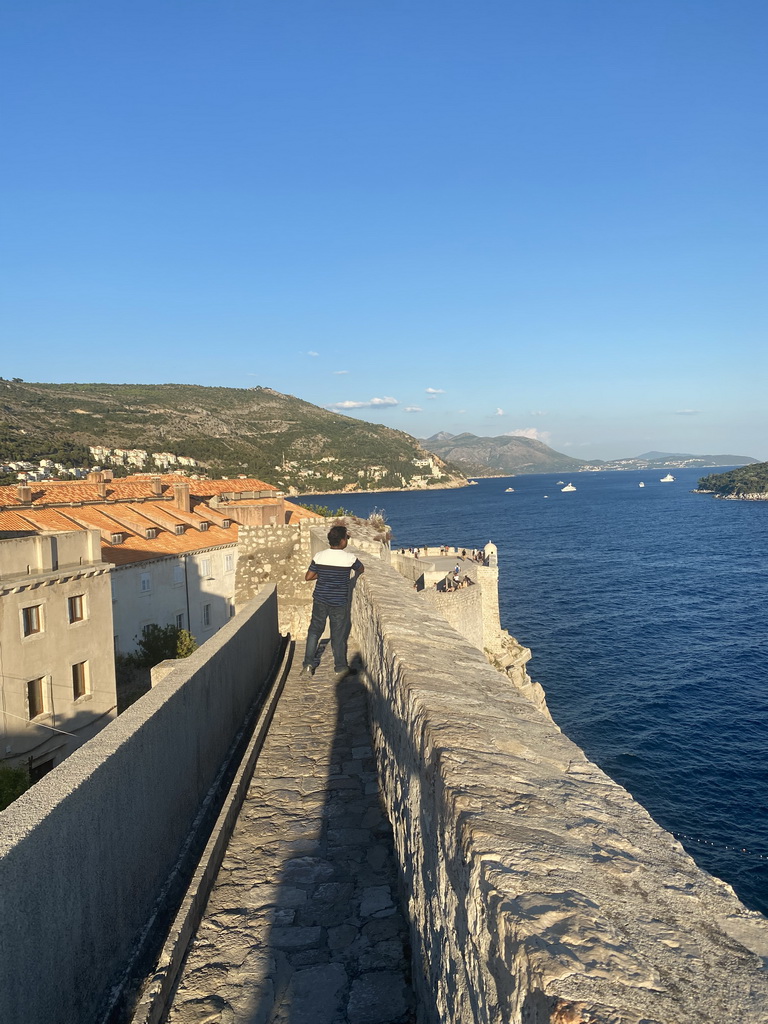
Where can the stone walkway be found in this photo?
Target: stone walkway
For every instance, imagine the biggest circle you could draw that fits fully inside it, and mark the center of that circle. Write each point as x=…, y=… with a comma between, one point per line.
x=304, y=925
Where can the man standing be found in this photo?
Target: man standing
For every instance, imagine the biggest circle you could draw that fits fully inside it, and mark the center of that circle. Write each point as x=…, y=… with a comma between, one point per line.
x=332, y=568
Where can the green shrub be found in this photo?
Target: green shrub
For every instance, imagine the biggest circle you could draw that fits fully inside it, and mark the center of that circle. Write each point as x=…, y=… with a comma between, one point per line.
x=13, y=782
x=159, y=643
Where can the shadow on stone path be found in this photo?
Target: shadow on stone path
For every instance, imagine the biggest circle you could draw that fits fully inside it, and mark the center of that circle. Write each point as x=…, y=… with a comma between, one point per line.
x=304, y=924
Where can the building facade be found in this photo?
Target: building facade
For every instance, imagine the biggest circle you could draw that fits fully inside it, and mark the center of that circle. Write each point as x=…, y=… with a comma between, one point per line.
x=57, y=673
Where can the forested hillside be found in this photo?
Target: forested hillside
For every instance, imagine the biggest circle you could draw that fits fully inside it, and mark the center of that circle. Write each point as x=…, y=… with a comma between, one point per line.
x=256, y=431
x=744, y=480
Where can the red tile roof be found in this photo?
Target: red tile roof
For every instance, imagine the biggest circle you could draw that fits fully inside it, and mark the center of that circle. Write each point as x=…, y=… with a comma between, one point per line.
x=59, y=492
x=128, y=511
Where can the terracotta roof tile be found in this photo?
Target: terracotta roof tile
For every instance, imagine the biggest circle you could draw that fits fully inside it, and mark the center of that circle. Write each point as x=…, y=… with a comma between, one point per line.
x=47, y=492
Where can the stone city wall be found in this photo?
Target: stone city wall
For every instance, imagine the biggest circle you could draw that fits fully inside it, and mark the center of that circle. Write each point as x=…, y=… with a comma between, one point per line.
x=85, y=853
x=277, y=555
x=538, y=889
x=463, y=609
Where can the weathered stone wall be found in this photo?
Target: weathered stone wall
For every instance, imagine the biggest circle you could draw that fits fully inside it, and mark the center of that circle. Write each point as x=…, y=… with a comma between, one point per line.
x=85, y=853
x=463, y=609
x=279, y=555
x=539, y=890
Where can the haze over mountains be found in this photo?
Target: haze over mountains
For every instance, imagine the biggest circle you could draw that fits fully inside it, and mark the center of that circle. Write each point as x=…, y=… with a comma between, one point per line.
x=505, y=454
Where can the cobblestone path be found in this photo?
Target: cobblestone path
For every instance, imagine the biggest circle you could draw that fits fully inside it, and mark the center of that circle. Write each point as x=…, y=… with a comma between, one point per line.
x=304, y=925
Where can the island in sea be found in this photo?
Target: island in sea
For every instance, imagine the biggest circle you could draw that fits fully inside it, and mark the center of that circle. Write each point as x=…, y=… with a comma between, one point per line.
x=745, y=483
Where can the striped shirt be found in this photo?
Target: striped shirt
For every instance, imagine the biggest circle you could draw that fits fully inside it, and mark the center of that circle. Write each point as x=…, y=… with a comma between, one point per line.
x=334, y=568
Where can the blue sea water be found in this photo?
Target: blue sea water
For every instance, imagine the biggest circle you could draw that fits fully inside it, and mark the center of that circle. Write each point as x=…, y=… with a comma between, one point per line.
x=645, y=612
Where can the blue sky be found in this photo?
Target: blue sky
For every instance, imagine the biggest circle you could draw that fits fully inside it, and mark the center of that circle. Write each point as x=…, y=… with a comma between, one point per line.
x=543, y=217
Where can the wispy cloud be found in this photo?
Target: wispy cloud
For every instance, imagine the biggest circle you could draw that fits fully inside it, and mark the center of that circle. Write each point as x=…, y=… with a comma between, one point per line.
x=339, y=372
x=313, y=353
x=413, y=408
x=434, y=391
x=372, y=403
x=530, y=432
x=499, y=412
x=537, y=412
x=686, y=412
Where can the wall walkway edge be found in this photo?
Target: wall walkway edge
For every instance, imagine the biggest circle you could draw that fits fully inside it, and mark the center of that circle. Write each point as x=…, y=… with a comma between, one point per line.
x=538, y=890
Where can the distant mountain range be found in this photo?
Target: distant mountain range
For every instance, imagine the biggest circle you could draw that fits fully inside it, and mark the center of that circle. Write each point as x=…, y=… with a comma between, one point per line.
x=504, y=454
x=499, y=456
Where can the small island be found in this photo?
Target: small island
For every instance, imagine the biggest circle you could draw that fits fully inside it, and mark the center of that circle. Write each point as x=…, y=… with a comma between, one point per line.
x=746, y=483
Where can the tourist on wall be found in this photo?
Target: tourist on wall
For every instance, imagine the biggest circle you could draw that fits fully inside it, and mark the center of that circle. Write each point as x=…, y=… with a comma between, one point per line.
x=333, y=568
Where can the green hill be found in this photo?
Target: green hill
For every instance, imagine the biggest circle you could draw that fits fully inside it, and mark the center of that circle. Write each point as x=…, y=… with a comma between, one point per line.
x=229, y=431
x=737, y=482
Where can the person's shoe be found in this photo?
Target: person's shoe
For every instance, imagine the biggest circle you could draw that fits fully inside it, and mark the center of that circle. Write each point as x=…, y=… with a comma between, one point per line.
x=342, y=673
x=307, y=672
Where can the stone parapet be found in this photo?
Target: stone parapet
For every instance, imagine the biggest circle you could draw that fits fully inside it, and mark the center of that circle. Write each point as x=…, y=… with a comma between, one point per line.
x=538, y=889
x=86, y=852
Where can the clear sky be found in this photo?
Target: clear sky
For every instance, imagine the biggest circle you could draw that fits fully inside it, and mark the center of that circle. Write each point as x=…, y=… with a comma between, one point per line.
x=530, y=216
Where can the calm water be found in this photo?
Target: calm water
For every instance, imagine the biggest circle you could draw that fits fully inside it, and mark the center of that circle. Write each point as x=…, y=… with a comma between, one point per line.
x=644, y=609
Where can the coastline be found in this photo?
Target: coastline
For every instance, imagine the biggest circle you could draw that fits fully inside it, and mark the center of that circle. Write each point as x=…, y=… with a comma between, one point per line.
x=754, y=496
x=449, y=486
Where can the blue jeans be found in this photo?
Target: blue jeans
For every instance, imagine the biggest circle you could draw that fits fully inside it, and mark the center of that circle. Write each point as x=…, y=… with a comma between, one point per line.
x=341, y=623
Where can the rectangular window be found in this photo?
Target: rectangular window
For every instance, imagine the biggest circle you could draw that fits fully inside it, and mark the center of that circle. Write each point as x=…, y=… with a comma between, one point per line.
x=179, y=529
x=206, y=615
x=180, y=621
x=150, y=533
x=80, y=679
x=229, y=563
x=35, y=697
x=231, y=610
x=31, y=620
x=178, y=575
x=76, y=608
x=39, y=770
x=205, y=567
x=146, y=582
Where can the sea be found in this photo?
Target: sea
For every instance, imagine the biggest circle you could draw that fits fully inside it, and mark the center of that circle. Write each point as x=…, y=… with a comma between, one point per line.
x=645, y=609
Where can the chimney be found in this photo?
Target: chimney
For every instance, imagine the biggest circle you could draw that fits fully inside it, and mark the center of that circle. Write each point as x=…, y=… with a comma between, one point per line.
x=94, y=477
x=181, y=496
x=101, y=489
x=108, y=475
x=157, y=486
x=25, y=494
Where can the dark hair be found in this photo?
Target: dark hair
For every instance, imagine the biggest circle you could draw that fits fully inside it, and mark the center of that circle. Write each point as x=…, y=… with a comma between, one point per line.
x=336, y=535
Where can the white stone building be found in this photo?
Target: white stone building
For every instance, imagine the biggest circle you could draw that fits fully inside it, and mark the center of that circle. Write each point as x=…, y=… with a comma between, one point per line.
x=57, y=674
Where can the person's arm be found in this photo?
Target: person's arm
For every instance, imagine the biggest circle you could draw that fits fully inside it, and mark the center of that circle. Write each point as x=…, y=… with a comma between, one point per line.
x=358, y=568
x=309, y=575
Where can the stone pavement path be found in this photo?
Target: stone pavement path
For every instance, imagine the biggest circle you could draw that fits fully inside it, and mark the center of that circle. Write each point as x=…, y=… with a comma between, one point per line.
x=303, y=925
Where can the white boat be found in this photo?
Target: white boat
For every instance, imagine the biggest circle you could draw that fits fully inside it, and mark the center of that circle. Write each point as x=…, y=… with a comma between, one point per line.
x=568, y=487
x=471, y=481
x=641, y=484
x=668, y=479
x=560, y=482
x=509, y=490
